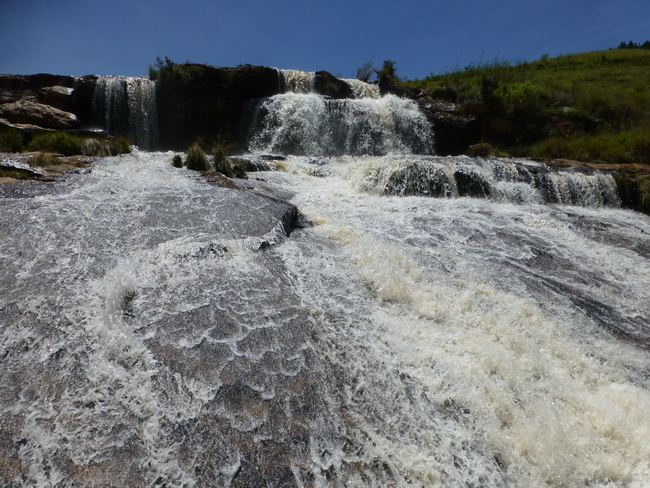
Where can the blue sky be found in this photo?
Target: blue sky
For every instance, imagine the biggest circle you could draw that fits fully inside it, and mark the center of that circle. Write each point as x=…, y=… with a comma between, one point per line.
x=123, y=37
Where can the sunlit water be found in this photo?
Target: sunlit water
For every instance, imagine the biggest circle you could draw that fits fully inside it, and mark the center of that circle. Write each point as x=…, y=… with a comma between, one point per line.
x=159, y=329
x=382, y=319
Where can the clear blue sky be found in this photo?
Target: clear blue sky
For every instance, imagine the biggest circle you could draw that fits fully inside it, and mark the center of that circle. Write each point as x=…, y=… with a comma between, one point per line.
x=123, y=37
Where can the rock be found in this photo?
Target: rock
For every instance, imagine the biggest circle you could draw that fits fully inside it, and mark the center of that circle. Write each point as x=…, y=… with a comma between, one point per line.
x=83, y=99
x=197, y=100
x=502, y=127
x=471, y=184
x=28, y=112
x=57, y=96
x=330, y=86
x=474, y=108
x=479, y=150
x=454, y=131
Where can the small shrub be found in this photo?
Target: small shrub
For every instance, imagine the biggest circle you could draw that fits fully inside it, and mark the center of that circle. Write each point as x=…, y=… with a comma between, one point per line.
x=177, y=162
x=221, y=162
x=43, y=160
x=196, y=158
x=58, y=142
x=119, y=145
x=11, y=141
x=15, y=173
x=94, y=147
x=365, y=71
x=238, y=168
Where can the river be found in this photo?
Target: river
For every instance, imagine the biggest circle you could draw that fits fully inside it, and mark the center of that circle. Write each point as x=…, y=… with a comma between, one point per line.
x=327, y=324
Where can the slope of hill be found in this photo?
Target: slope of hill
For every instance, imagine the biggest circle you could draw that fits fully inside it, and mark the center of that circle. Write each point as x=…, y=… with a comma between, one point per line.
x=592, y=107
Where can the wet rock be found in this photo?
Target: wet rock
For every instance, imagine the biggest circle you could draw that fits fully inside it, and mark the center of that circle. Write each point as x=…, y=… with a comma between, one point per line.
x=455, y=131
x=330, y=86
x=471, y=184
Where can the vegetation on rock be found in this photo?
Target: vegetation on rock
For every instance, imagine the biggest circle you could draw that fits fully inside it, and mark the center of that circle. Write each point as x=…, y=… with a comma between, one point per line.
x=11, y=140
x=592, y=107
x=69, y=144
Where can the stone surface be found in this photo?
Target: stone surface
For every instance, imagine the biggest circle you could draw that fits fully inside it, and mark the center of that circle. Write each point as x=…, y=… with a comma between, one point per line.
x=57, y=96
x=196, y=100
x=330, y=86
x=29, y=112
x=454, y=131
x=479, y=150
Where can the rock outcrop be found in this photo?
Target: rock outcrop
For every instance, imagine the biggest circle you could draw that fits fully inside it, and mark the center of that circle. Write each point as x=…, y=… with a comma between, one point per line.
x=196, y=100
x=455, y=129
x=39, y=114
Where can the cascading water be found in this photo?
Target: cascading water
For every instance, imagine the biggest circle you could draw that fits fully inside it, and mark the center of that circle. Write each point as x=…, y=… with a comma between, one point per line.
x=126, y=107
x=309, y=124
x=160, y=330
x=497, y=179
x=295, y=81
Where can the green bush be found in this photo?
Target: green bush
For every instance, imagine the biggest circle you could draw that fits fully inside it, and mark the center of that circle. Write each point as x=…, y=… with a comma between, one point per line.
x=44, y=160
x=73, y=144
x=177, y=161
x=94, y=147
x=221, y=162
x=196, y=158
x=119, y=145
x=11, y=140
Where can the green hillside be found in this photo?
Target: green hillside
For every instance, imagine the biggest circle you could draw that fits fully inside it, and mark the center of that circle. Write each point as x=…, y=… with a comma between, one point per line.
x=592, y=107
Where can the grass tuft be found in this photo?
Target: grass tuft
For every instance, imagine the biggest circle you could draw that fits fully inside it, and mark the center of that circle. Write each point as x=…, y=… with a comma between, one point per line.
x=196, y=158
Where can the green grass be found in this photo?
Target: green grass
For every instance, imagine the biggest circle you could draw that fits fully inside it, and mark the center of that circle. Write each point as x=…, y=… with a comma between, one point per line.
x=43, y=160
x=196, y=158
x=69, y=144
x=591, y=106
x=11, y=140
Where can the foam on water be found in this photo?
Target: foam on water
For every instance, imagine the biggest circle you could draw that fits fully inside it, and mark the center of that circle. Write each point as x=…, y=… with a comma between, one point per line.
x=554, y=398
x=175, y=335
x=308, y=124
x=126, y=107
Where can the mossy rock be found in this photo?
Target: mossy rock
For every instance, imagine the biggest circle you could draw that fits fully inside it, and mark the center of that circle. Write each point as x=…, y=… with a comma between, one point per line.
x=420, y=180
x=634, y=192
x=471, y=184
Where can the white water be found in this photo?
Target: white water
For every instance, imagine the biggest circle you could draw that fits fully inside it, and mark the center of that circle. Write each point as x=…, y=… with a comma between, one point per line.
x=308, y=124
x=126, y=107
x=400, y=341
x=160, y=330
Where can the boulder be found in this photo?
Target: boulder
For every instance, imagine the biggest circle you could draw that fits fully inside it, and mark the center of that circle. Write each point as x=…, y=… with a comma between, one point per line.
x=197, y=100
x=29, y=112
x=57, y=96
x=455, y=131
x=479, y=150
x=330, y=86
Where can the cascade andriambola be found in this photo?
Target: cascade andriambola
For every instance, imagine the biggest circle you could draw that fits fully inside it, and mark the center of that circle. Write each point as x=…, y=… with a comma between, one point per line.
x=324, y=325
x=126, y=107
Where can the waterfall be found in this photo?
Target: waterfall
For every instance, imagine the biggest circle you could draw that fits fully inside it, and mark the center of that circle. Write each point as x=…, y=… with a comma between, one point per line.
x=126, y=107
x=296, y=81
x=501, y=180
x=309, y=124
x=326, y=323
x=361, y=89
x=162, y=330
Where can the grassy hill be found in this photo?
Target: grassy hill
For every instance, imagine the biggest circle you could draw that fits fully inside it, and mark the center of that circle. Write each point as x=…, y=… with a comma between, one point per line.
x=592, y=107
